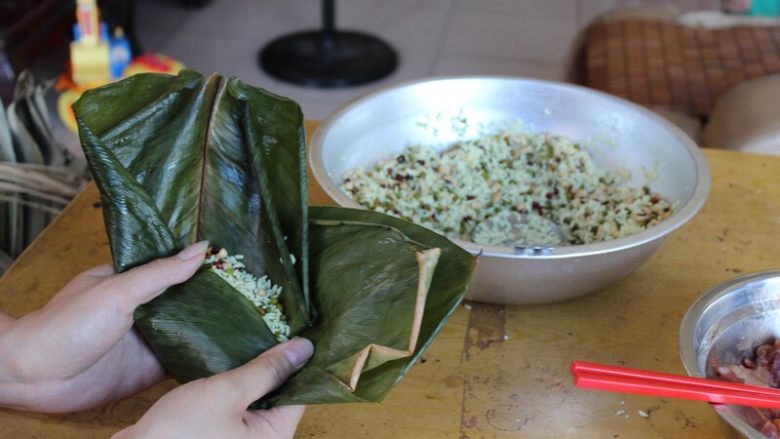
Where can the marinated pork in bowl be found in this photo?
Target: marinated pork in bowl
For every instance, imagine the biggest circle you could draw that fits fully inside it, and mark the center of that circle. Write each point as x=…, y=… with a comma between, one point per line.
x=731, y=333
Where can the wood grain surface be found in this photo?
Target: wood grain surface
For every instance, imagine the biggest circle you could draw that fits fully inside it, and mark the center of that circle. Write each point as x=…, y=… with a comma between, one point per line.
x=495, y=371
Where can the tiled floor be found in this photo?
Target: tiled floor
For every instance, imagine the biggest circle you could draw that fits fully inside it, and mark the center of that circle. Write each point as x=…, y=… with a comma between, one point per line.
x=433, y=37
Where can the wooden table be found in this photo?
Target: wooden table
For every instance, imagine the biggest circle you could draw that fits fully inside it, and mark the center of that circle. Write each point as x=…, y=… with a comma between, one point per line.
x=474, y=383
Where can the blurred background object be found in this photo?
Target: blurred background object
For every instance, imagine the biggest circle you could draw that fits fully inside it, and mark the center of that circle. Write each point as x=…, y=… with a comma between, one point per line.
x=736, y=6
x=29, y=30
x=328, y=57
x=693, y=69
x=746, y=118
x=38, y=176
x=769, y=8
x=752, y=7
x=34, y=34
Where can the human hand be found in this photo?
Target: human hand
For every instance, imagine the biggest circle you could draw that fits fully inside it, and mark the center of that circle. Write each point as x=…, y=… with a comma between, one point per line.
x=216, y=407
x=79, y=351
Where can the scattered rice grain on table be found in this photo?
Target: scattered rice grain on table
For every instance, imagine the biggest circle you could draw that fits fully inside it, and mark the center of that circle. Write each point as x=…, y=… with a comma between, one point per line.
x=477, y=190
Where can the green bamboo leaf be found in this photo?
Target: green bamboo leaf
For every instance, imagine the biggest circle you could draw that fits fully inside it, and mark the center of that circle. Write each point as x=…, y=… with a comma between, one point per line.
x=205, y=313
x=173, y=160
x=184, y=158
x=368, y=273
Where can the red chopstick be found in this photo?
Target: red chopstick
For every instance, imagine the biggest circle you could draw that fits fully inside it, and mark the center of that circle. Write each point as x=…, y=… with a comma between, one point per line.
x=641, y=382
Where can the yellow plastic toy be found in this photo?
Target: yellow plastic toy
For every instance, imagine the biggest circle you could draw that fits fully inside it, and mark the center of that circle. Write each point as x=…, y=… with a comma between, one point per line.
x=97, y=60
x=89, y=51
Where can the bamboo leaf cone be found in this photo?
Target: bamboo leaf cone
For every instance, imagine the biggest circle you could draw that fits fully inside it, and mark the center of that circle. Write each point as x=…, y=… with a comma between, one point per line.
x=182, y=158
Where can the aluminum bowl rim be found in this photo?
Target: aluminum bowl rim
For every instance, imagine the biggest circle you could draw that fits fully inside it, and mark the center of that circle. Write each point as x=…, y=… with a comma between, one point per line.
x=688, y=325
x=668, y=225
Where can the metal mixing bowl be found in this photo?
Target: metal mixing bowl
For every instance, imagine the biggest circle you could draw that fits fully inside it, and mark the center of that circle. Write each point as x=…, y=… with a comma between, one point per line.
x=726, y=325
x=618, y=134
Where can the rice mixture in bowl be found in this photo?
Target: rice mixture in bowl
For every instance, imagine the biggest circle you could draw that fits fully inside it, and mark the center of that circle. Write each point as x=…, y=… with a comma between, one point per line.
x=508, y=189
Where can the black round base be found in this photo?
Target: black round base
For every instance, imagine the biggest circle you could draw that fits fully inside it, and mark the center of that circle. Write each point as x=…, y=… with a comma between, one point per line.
x=328, y=60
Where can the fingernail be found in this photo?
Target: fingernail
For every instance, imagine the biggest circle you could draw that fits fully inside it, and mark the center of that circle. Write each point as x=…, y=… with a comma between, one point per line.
x=192, y=250
x=298, y=351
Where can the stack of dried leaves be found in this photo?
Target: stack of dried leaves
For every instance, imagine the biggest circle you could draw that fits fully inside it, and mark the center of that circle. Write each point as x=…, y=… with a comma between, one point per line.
x=37, y=175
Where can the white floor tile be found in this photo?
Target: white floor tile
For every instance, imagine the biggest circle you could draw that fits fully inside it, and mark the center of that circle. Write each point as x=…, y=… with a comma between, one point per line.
x=483, y=65
x=259, y=20
x=161, y=14
x=536, y=9
x=590, y=9
x=158, y=20
x=474, y=32
x=417, y=29
x=218, y=54
x=317, y=110
x=318, y=103
x=151, y=41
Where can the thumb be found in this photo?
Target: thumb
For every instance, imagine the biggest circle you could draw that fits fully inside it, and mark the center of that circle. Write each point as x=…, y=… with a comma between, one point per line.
x=266, y=372
x=145, y=282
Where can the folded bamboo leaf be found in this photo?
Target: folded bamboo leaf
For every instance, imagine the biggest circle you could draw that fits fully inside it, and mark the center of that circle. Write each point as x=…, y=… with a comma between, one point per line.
x=203, y=312
x=173, y=163
x=383, y=288
x=179, y=159
x=221, y=323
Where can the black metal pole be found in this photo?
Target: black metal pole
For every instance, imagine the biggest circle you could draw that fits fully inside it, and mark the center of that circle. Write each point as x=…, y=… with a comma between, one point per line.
x=328, y=16
x=328, y=24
